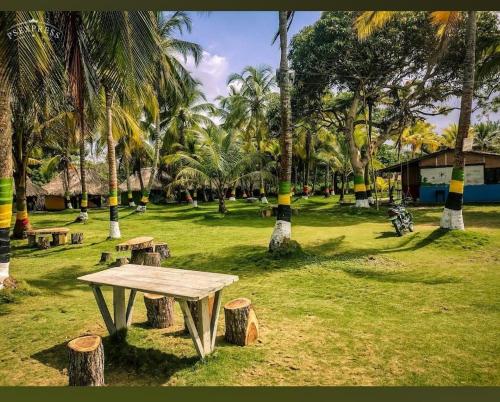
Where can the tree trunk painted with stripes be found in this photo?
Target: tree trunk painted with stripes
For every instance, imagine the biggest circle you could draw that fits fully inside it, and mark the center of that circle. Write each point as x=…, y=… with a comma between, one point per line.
x=283, y=227
x=452, y=215
x=22, y=219
x=114, y=226
x=6, y=181
x=147, y=191
x=130, y=198
x=84, y=215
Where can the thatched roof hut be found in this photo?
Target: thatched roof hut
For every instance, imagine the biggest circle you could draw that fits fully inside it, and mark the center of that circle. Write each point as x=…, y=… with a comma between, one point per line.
x=32, y=189
x=96, y=184
x=135, y=183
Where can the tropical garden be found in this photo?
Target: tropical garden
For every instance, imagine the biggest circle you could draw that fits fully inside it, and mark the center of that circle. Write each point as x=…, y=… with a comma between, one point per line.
x=340, y=299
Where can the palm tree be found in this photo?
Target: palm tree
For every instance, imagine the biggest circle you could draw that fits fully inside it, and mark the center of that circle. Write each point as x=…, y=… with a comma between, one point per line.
x=446, y=22
x=249, y=104
x=448, y=137
x=420, y=136
x=219, y=161
x=22, y=61
x=487, y=136
x=124, y=47
x=283, y=227
x=172, y=83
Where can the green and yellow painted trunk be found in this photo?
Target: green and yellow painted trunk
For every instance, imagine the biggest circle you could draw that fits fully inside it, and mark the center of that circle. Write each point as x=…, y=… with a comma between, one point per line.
x=452, y=214
x=6, y=193
x=360, y=191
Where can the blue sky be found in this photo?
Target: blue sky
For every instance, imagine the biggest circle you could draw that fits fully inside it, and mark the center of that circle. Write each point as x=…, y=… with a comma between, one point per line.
x=234, y=39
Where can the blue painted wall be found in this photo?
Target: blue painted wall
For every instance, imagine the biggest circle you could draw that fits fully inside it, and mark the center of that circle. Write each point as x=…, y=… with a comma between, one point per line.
x=478, y=193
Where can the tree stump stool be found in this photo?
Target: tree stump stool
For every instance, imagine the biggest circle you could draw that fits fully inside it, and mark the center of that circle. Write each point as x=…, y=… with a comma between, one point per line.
x=58, y=239
x=43, y=242
x=242, y=327
x=137, y=256
x=193, y=307
x=163, y=250
x=121, y=261
x=152, y=259
x=86, y=361
x=76, y=238
x=159, y=310
x=106, y=257
x=31, y=240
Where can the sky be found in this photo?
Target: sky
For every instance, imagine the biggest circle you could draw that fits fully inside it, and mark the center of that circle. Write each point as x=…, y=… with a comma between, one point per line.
x=232, y=40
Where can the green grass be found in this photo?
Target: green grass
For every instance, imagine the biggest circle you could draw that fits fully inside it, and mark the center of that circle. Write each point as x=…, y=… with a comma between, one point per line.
x=358, y=305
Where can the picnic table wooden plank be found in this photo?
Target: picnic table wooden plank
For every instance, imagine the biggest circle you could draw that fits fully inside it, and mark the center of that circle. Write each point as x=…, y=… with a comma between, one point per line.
x=137, y=243
x=47, y=231
x=185, y=272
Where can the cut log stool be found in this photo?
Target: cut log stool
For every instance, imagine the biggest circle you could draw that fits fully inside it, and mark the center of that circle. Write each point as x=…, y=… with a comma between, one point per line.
x=31, y=240
x=59, y=239
x=86, y=361
x=76, y=238
x=163, y=249
x=138, y=256
x=242, y=327
x=121, y=261
x=193, y=307
x=159, y=310
x=152, y=259
x=106, y=256
x=43, y=242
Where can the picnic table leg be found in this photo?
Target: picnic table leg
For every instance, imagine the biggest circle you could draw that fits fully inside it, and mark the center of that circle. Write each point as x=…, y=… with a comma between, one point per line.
x=130, y=306
x=103, y=308
x=119, y=309
x=188, y=319
x=204, y=325
x=215, y=318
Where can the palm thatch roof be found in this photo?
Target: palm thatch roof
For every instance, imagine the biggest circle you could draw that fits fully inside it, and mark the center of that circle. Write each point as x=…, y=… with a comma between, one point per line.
x=135, y=184
x=96, y=184
x=32, y=189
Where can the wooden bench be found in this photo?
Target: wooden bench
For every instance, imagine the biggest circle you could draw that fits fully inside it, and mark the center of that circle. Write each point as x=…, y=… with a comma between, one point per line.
x=183, y=285
x=59, y=235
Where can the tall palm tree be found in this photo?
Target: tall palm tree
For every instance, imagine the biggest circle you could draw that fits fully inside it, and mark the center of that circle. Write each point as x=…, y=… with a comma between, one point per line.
x=219, y=160
x=124, y=46
x=250, y=102
x=22, y=60
x=446, y=21
x=283, y=227
x=487, y=136
x=420, y=136
x=172, y=82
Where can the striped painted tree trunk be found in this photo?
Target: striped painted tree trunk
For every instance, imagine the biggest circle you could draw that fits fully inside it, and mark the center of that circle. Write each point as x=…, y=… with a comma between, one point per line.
x=452, y=214
x=283, y=228
x=147, y=190
x=22, y=218
x=114, y=226
x=6, y=182
x=360, y=189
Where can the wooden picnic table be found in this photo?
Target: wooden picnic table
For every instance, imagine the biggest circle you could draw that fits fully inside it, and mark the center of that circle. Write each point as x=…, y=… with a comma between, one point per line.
x=59, y=235
x=183, y=285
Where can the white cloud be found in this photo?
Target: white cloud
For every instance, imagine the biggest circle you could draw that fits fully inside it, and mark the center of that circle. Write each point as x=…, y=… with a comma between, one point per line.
x=212, y=71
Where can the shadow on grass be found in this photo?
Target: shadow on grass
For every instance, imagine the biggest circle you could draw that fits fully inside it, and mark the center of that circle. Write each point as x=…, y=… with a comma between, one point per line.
x=400, y=277
x=149, y=366
x=61, y=281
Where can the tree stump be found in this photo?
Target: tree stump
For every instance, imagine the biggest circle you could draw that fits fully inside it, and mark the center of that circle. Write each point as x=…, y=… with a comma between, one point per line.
x=76, y=238
x=58, y=239
x=121, y=261
x=163, y=250
x=152, y=259
x=137, y=256
x=86, y=361
x=242, y=327
x=31, y=240
x=106, y=256
x=159, y=310
x=43, y=242
x=193, y=307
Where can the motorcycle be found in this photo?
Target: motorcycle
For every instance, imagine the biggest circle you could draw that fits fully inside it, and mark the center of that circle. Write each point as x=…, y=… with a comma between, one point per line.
x=401, y=218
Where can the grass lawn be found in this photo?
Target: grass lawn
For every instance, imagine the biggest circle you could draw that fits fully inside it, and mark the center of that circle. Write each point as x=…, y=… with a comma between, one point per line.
x=360, y=307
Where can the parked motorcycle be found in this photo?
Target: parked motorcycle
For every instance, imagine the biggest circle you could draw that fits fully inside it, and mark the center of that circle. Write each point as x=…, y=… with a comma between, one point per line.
x=401, y=218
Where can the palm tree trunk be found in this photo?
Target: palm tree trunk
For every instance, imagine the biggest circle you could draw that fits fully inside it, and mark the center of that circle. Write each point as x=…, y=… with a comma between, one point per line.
x=222, y=204
x=6, y=182
x=130, y=199
x=147, y=191
x=307, y=168
x=368, y=185
x=452, y=215
x=84, y=216
x=114, y=226
x=342, y=188
x=283, y=227
x=22, y=219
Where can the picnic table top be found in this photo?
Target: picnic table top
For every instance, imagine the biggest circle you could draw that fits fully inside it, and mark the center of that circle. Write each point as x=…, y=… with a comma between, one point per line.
x=136, y=243
x=47, y=231
x=179, y=283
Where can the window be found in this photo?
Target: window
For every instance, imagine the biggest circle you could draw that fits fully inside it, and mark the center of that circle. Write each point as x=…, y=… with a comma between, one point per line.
x=492, y=175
